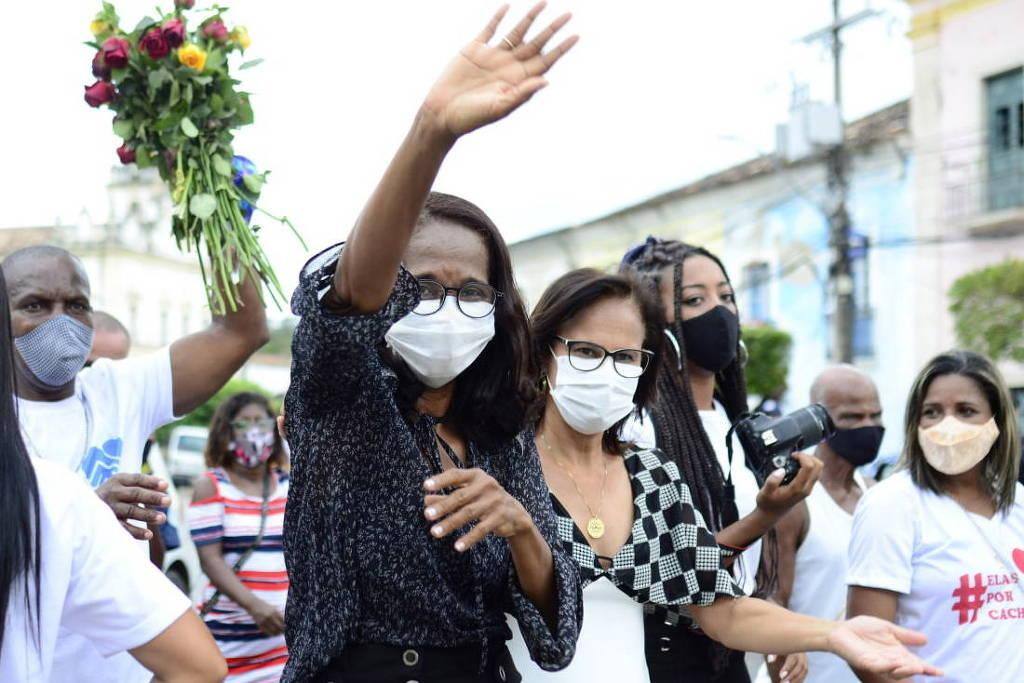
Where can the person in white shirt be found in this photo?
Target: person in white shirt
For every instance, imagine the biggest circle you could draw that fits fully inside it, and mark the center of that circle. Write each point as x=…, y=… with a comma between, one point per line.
x=66, y=565
x=701, y=392
x=814, y=535
x=939, y=546
x=96, y=421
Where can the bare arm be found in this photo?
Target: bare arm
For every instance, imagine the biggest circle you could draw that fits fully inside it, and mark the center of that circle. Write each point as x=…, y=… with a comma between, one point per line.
x=535, y=568
x=211, y=559
x=791, y=532
x=183, y=653
x=874, y=602
x=753, y=625
x=481, y=85
x=203, y=362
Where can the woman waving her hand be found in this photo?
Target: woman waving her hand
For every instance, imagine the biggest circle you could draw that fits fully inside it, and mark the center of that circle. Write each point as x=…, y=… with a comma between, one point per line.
x=417, y=514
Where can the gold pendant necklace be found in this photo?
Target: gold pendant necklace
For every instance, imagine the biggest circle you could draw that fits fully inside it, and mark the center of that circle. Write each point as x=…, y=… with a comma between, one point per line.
x=595, y=525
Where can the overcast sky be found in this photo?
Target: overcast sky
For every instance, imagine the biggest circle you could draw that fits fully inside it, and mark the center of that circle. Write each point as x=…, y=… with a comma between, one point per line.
x=656, y=94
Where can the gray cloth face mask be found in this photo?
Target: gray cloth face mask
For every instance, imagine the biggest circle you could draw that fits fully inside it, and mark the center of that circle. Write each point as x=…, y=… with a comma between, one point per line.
x=56, y=350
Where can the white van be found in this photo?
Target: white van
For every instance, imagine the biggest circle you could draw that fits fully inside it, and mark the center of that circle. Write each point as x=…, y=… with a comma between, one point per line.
x=185, y=454
x=181, y=565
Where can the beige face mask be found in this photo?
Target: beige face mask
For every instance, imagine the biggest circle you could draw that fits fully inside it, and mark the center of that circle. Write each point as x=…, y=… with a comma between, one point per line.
x=953, y=446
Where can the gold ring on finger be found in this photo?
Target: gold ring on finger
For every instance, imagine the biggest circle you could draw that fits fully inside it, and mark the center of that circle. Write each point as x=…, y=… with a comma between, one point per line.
x=509, y=43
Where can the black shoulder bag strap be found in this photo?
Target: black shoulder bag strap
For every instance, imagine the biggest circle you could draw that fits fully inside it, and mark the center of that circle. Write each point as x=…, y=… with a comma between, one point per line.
x=244, y=557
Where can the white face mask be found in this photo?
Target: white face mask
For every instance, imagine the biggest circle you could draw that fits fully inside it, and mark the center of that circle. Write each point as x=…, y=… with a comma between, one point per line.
x=438, y=347
x=954, y=447
x=591, y=402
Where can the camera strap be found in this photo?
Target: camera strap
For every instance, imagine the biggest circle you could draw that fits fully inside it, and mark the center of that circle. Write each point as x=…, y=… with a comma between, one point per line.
x=730, y=512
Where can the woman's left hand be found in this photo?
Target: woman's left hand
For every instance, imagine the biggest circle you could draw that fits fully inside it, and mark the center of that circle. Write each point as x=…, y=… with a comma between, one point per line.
x=877, y=646
x=477, y=498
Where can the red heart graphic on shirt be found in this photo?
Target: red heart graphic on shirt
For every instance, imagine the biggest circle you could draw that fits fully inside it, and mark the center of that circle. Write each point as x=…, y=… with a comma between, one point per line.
x=1018, y=558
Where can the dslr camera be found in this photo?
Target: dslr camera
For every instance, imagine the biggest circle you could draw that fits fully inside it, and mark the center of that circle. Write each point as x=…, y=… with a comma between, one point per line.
x=769, y=442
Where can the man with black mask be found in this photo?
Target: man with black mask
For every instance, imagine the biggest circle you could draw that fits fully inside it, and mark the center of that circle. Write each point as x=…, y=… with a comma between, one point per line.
x=814, y=535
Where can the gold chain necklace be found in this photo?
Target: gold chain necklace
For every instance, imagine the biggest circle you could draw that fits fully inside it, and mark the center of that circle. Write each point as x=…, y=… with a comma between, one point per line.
x=595, y=525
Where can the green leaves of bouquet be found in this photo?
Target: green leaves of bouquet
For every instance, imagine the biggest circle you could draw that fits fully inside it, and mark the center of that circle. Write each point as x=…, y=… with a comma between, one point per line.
x=176, y=109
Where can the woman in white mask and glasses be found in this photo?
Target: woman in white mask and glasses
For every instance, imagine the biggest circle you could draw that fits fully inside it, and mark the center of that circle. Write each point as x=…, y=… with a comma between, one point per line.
x=626, y=516
x=939, y=546
x=417, y=515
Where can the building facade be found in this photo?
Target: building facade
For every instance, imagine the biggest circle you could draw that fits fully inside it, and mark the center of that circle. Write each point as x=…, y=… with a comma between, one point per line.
x=968, y=121
x=766, y=218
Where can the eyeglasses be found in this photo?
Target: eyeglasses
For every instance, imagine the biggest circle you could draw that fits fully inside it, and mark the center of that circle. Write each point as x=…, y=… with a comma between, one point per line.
x=474, y=299
x=263, y=423
x=586, y=357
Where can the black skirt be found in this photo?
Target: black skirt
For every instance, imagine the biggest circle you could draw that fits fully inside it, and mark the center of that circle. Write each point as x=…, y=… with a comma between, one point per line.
x=678, y=654
x=371, y=663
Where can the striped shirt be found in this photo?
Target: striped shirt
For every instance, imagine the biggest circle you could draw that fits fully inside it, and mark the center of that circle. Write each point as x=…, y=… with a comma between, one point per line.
x=231, y=518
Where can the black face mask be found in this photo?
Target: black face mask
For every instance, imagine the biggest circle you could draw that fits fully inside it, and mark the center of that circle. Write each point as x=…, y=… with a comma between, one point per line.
x=857, y=446
x=712, y=338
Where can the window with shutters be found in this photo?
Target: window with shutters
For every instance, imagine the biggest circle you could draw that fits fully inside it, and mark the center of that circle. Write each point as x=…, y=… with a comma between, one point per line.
x=1005, y=111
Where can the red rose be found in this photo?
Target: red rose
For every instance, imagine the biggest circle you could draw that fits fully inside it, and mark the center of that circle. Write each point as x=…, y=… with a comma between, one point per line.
x=174, y=32
x=216, y=30
x=126, y=154
x=154, y=44
x=115, y=52
x=184, y=4
x=99, y=93
x=99, y=67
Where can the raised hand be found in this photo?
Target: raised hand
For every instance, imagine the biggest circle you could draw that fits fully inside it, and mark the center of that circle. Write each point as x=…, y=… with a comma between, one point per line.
x=485, y=83
x=877, y=646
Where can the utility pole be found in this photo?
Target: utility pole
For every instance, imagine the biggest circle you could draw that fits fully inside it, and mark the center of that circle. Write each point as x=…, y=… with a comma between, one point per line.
x=840, y=273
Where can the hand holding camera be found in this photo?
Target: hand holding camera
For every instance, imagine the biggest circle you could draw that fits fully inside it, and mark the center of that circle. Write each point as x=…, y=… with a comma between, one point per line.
x=772, y=444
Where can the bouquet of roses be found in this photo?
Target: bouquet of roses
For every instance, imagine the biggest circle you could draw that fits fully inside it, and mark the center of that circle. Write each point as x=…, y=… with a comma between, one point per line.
x=176, y=108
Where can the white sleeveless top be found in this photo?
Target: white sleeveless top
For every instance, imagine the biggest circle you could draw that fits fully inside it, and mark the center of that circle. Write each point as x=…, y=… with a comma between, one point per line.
x=610, y=646
x=818, y=589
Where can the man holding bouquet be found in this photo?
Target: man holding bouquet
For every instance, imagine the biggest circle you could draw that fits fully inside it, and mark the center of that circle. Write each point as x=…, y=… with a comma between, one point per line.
x=97, y=421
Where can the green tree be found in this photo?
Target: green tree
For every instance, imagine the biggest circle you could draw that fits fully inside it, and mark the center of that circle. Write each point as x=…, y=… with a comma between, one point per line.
x=201, y=416
x=768, y=352
x=988, y=310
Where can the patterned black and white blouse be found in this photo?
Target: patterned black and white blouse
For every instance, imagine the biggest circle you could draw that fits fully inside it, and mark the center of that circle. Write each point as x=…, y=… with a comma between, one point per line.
x=362, y=563
x=671, y=559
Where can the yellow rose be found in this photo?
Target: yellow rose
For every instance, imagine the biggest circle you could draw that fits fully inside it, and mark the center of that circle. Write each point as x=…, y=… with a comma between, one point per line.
x=241, y=36
x=192, y=56
x=98, y=27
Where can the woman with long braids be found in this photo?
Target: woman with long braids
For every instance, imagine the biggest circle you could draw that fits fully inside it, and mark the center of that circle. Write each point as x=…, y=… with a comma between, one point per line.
x=66, y=565
x=624, y=513
x=702, y=391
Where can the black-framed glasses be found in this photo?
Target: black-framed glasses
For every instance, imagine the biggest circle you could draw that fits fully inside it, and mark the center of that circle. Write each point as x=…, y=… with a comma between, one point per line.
x=587, y=356
x=262, y=423
x=474, y=299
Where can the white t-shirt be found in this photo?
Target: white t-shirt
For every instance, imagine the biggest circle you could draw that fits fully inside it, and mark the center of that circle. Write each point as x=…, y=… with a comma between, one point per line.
x=99, y=431
x=102, y=429
x=958, y=575
x=93, y=583
x=716, y=426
